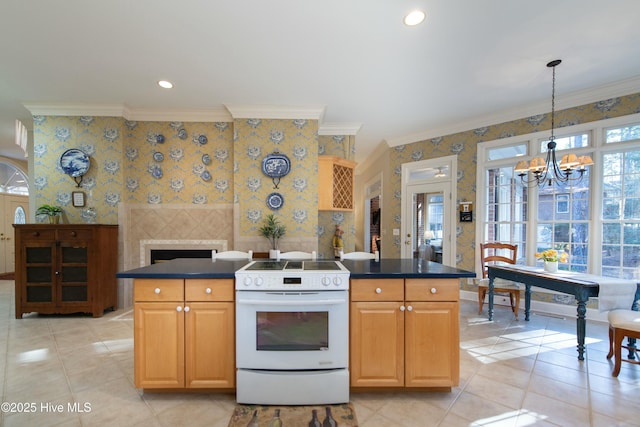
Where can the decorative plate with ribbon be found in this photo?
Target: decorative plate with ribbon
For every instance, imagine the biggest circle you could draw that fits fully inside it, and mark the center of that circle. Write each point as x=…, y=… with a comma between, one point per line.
x=275, y=166
x=75, y=163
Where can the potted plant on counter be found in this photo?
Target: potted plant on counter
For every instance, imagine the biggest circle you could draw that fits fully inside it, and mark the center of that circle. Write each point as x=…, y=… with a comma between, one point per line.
x=53, y=213
x=272, y=230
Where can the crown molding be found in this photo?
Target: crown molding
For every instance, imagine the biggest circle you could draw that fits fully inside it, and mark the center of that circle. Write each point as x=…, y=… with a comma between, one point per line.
x=128, y=113
x=105, y=110
x=574, y=99
x=151, y=115
x=248, y=111
x=339, y=128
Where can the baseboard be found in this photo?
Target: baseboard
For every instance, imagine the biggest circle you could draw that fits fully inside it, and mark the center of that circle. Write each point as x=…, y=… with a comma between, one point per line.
x=569, y=311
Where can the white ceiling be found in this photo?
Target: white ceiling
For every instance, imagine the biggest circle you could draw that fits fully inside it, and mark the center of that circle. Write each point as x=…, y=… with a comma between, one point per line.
x=471, y=63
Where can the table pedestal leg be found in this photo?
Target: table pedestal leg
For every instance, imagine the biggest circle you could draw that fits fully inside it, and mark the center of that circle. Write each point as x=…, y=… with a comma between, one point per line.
x=581, y=325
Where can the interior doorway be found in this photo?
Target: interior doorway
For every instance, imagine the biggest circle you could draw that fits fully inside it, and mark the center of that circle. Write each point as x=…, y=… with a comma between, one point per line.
x=428, y=214
x=373, y=215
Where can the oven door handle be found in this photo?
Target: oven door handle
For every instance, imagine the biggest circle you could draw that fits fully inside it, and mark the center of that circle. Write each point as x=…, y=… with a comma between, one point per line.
x=291, y=302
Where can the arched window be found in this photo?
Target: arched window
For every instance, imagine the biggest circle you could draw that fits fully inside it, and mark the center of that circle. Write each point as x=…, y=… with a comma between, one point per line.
x=19, y=216
x=12, y=180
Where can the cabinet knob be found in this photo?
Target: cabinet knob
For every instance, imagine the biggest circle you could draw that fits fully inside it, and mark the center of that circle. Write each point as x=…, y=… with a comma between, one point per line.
x=157, y=291
x=409, y=308
x=434, y=290
x=208, y=290
x=186, y=309
x=402, y=308
x=74, y=234
x=179, y=308
x=378, y=291
x=35, y=233
x=57, y=273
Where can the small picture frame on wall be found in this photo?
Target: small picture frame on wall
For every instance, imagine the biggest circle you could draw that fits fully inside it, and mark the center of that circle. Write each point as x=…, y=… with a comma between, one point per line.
x=78, y=199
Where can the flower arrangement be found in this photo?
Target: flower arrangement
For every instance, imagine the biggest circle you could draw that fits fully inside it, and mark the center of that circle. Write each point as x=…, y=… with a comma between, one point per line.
x=51, y=212
x=551, y=255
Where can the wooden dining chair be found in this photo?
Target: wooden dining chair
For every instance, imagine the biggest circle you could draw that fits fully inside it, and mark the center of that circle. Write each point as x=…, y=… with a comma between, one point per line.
x=495, y=253
x=294, y=255
x=623, y=323
x=360, y=255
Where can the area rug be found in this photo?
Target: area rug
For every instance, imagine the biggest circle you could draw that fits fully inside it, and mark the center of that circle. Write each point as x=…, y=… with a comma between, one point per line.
x=293, y=416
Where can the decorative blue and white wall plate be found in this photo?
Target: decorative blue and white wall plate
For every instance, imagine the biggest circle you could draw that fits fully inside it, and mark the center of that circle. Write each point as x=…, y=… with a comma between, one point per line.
x=74, y=162
x=275, y=201
x=276, y=165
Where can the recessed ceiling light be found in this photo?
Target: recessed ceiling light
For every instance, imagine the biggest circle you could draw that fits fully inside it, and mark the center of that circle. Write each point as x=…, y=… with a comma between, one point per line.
x=165, y=84
x=414, y=18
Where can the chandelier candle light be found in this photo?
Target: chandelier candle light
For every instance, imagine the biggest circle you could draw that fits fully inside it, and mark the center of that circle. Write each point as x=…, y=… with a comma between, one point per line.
x=547, y=170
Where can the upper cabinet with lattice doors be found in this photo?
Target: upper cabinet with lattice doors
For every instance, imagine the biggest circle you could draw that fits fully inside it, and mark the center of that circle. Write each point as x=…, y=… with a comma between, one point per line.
x=335, y=183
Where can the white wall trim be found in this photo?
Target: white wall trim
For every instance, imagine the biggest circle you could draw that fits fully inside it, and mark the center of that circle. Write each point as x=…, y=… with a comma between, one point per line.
x=613, y=90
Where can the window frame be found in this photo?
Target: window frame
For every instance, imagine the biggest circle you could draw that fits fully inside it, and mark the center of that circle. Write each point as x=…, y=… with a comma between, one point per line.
x=597, y=148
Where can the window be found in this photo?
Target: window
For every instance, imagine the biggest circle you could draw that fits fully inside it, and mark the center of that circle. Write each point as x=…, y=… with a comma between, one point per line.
x=621, y=214
x=567, y=229
x=596, y=221
x=12, y=180
x=506, y=209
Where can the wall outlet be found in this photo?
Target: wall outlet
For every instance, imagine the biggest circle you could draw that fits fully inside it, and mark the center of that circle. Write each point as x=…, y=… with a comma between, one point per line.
x=396, y=231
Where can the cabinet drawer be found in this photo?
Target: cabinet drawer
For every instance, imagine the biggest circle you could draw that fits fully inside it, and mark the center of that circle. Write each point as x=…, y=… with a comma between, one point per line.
x=209, y=290
x=34, y=234
x=377, y=290
x=70, y=235
x=158, y=290
x=432, y=290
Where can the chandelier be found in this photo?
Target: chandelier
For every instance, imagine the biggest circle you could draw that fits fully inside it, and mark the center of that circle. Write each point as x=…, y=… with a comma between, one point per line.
x=571, y=166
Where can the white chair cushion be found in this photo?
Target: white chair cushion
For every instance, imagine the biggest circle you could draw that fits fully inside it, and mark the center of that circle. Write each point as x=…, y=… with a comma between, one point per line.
x=625, y=319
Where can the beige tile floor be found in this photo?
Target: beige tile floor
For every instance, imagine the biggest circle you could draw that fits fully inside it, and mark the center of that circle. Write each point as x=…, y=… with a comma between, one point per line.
x=513, y=373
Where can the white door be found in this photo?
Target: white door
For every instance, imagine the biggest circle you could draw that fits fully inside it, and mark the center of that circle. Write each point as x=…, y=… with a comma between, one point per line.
x=14, y=210
x=429, y=182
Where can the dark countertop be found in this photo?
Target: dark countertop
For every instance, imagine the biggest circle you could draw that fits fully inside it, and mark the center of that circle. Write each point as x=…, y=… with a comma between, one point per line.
x=205, y=268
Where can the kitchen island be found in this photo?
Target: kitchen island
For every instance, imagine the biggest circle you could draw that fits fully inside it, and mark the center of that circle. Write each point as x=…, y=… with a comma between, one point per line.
x=404, y=324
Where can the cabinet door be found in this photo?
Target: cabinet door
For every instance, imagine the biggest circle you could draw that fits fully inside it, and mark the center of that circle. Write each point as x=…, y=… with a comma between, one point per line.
x=39, y=274
x=159, y=345
x=377, y=344
x=73, y=286
x=210, y=344
x=432, y=350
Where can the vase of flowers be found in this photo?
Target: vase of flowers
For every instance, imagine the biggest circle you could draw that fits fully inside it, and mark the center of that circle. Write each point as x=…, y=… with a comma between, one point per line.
x=550, y=258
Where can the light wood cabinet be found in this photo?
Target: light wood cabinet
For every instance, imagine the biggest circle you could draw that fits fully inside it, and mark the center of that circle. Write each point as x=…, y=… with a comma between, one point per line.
x=335, y=183
x=68, y=268
x=184, y=333
x=404, y=333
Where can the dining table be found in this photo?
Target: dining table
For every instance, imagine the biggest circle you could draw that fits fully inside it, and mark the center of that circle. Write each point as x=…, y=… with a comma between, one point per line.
x=581, y=286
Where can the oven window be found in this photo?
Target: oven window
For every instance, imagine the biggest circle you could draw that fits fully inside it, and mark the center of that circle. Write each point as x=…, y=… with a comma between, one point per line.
x=292, y=331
